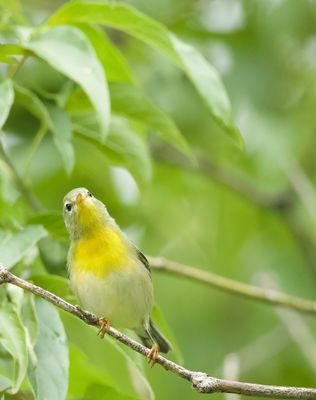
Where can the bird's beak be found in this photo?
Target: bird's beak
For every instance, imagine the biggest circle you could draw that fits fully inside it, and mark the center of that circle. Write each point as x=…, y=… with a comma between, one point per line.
x=80, y=198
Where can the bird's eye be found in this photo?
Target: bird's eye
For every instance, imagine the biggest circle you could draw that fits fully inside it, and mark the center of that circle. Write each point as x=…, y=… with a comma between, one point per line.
x=68, y=207
x=89, y=194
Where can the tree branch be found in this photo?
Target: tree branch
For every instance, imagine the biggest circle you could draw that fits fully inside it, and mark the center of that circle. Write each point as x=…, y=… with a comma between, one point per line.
x=269, y=296
x=202, y=382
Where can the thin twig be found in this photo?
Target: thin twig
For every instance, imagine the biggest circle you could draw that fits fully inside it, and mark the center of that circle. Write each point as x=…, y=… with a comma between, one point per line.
x=269, y=296
x=202, y=382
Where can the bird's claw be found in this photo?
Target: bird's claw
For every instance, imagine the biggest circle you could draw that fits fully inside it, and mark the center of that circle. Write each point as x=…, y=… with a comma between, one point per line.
x=104, y=326
x=153, y=355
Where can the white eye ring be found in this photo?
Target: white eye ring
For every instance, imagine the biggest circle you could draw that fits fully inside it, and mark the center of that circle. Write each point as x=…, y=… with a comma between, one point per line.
x=68, y=207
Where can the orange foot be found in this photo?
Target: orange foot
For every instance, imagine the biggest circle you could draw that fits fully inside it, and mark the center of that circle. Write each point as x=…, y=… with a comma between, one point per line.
x=153, y=355
x=104, y=326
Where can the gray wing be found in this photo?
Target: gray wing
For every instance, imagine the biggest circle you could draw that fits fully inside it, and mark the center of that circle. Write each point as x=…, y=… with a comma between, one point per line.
x=143, y=259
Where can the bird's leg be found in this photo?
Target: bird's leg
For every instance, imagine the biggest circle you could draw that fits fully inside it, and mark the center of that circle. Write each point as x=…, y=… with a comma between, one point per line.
x=153, y=354
x=104, y=325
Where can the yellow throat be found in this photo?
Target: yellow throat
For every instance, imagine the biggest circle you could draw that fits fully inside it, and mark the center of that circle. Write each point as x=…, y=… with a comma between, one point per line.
x=101, y=249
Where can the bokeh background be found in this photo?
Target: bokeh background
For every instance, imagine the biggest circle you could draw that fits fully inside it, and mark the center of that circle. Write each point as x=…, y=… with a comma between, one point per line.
x=247, y=214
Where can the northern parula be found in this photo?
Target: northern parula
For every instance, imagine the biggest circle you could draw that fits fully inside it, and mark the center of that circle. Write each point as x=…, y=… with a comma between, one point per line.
x=108, y=274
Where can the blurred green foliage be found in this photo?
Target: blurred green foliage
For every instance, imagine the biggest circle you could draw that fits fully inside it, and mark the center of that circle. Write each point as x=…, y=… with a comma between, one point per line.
x=125, y=99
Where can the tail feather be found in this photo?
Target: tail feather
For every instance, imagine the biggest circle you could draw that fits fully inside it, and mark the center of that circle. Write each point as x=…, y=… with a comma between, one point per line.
x=153, y=335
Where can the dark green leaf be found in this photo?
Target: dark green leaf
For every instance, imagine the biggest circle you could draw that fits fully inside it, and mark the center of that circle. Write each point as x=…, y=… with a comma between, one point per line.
x=6, y=100
x=14, y=246
x=49, y=377
x=29, y=100
x=126, y=18
x=67, y=50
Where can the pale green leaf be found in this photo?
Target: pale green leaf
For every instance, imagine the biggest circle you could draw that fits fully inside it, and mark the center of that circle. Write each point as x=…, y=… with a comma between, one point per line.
x=14, y=246
x=6, y=100
x=128, y=19
x=13, y=339
x=49, y=377
x=113, y=62
x=67, y=50
x=62, y=134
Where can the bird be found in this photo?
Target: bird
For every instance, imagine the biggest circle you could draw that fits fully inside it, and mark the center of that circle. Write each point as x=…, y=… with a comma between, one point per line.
x=109, y=275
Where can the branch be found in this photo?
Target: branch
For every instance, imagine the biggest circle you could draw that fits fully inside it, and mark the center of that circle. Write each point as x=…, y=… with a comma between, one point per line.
x=269, y=296
x=202, y=382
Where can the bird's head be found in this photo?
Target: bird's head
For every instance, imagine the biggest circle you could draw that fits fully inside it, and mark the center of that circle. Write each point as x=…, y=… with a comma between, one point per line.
x=83, y=213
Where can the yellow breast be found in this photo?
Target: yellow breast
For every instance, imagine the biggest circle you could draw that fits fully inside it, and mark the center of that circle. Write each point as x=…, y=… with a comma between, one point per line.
x=100, y=253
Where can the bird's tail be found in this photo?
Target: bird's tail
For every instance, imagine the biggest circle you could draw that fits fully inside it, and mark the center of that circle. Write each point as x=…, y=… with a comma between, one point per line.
x=153, y=335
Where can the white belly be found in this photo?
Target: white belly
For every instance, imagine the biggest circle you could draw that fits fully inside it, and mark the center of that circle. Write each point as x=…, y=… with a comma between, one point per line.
x=124, y=297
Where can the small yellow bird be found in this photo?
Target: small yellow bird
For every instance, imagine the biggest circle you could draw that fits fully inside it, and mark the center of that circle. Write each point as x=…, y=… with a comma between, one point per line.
x=108, y=274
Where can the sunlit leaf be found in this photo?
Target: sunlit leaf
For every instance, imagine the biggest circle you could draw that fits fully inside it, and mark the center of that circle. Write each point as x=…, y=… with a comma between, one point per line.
x=67, y=50
x=49, y=377
x=14, y=246
x=6, y=100
x=126, y=18
x=13, y=339
x=62, y=134
x=113, y=62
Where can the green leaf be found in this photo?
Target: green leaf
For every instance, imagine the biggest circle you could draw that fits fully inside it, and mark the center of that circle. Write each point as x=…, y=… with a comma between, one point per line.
x=49, y=377
x=14, y=246
x=112, y=60
x=6, y=100
x=161, y=322
x=67, y=50
x=62, y=134
x=108, y=356
x=52, y=222
x=104, y=392
x=124, y=147
x=53, y=283
x=126, y=18
x=29, y=100
x=130, y=101
x=83, y=373
x=13, y=339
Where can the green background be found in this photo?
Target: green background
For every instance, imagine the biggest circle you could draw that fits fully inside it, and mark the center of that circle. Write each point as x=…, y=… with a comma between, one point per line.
x=249, y=216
